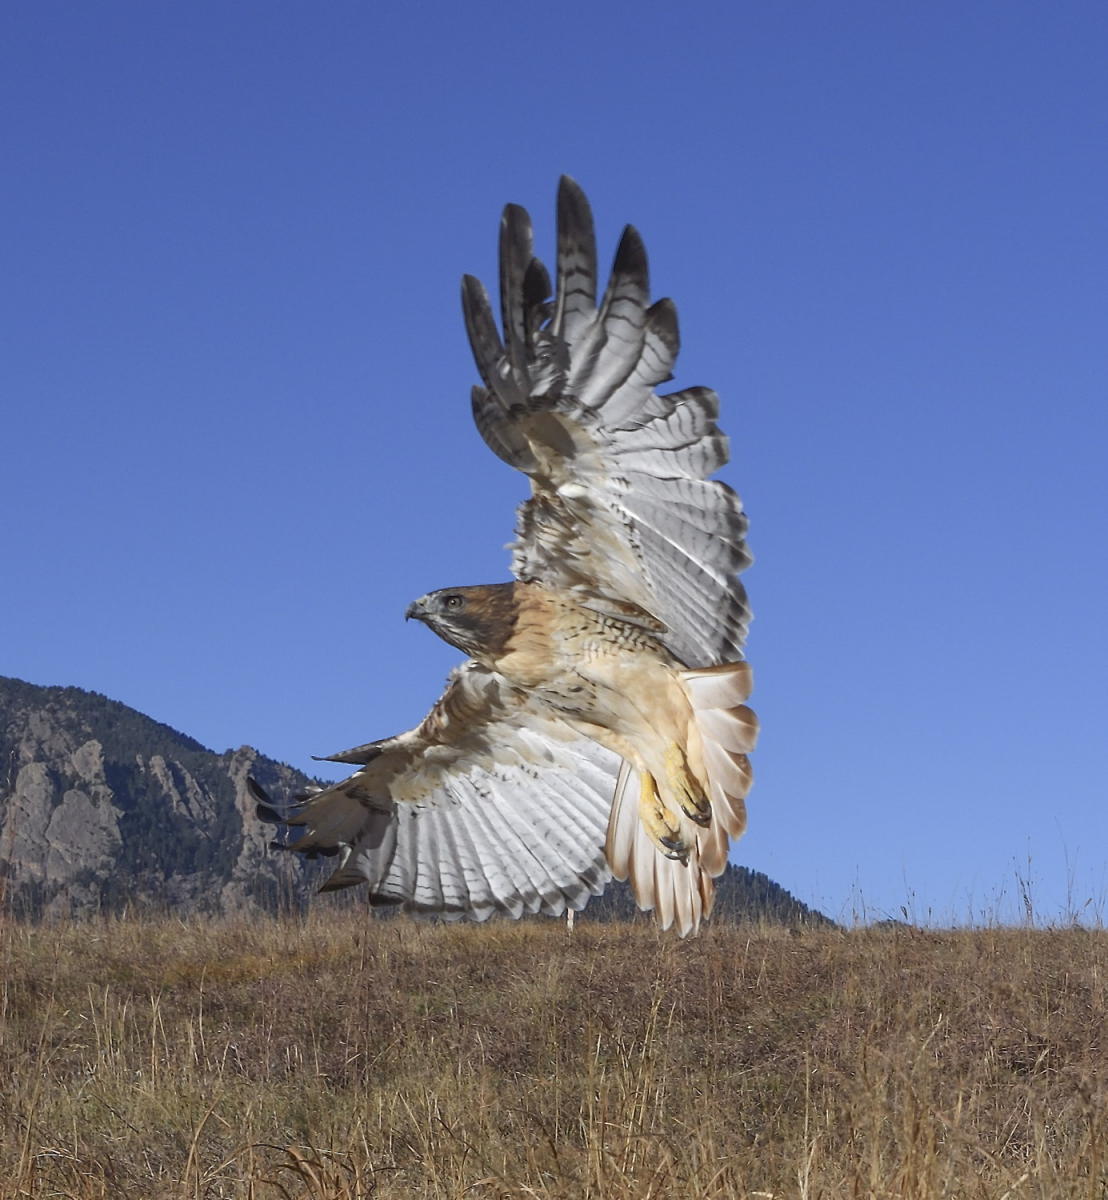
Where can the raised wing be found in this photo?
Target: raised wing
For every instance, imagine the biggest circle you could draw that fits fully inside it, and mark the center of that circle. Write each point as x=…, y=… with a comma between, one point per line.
x=488, y=805
x=621, y=504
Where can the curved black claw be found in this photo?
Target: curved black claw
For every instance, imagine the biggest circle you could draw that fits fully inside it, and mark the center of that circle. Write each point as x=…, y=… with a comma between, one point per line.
x=675, y=848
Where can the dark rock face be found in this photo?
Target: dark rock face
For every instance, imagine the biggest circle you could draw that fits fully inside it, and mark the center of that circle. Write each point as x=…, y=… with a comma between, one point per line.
x=102, y=808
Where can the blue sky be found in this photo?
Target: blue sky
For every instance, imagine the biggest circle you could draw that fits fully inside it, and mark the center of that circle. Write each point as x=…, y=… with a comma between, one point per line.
x=235, y=380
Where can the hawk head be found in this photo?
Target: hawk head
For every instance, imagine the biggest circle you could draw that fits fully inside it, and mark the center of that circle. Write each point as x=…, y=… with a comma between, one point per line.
x=478, y=620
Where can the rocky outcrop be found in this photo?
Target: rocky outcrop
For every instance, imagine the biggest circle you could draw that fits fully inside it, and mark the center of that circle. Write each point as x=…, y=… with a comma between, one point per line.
x=102, y=808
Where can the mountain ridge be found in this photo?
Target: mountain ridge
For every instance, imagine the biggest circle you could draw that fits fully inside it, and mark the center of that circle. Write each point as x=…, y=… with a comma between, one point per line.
x=103, y=807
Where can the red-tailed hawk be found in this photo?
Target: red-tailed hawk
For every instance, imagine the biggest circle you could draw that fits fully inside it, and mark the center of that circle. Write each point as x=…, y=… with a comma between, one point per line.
x=598, y=726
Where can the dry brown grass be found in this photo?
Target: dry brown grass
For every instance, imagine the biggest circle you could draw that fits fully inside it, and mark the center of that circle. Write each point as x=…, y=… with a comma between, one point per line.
x=335, y=1059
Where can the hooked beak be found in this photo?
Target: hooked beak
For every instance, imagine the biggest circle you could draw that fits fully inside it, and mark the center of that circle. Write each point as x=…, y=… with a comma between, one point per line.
x=415, y=609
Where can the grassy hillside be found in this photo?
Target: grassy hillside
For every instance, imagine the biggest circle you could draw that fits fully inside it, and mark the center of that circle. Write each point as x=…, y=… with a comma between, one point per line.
x=334, y=1059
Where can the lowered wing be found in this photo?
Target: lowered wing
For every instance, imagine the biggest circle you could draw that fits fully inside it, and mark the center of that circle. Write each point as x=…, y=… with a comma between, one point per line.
x=621, y=504
x=488, y=805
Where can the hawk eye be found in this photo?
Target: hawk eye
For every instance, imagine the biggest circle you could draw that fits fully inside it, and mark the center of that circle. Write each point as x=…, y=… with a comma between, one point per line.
x=453, y=601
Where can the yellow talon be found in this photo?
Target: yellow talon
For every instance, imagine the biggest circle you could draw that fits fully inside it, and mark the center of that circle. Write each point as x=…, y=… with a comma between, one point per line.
x=659, y=821
x=690, y=795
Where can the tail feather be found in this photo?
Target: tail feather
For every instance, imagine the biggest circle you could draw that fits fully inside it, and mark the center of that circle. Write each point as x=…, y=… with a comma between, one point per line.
x=623, y=822
x=713, y=845
x=665, y=905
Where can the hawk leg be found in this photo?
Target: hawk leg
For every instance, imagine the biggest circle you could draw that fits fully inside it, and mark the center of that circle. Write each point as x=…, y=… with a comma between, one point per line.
x=686, y=788
x=659, y=822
